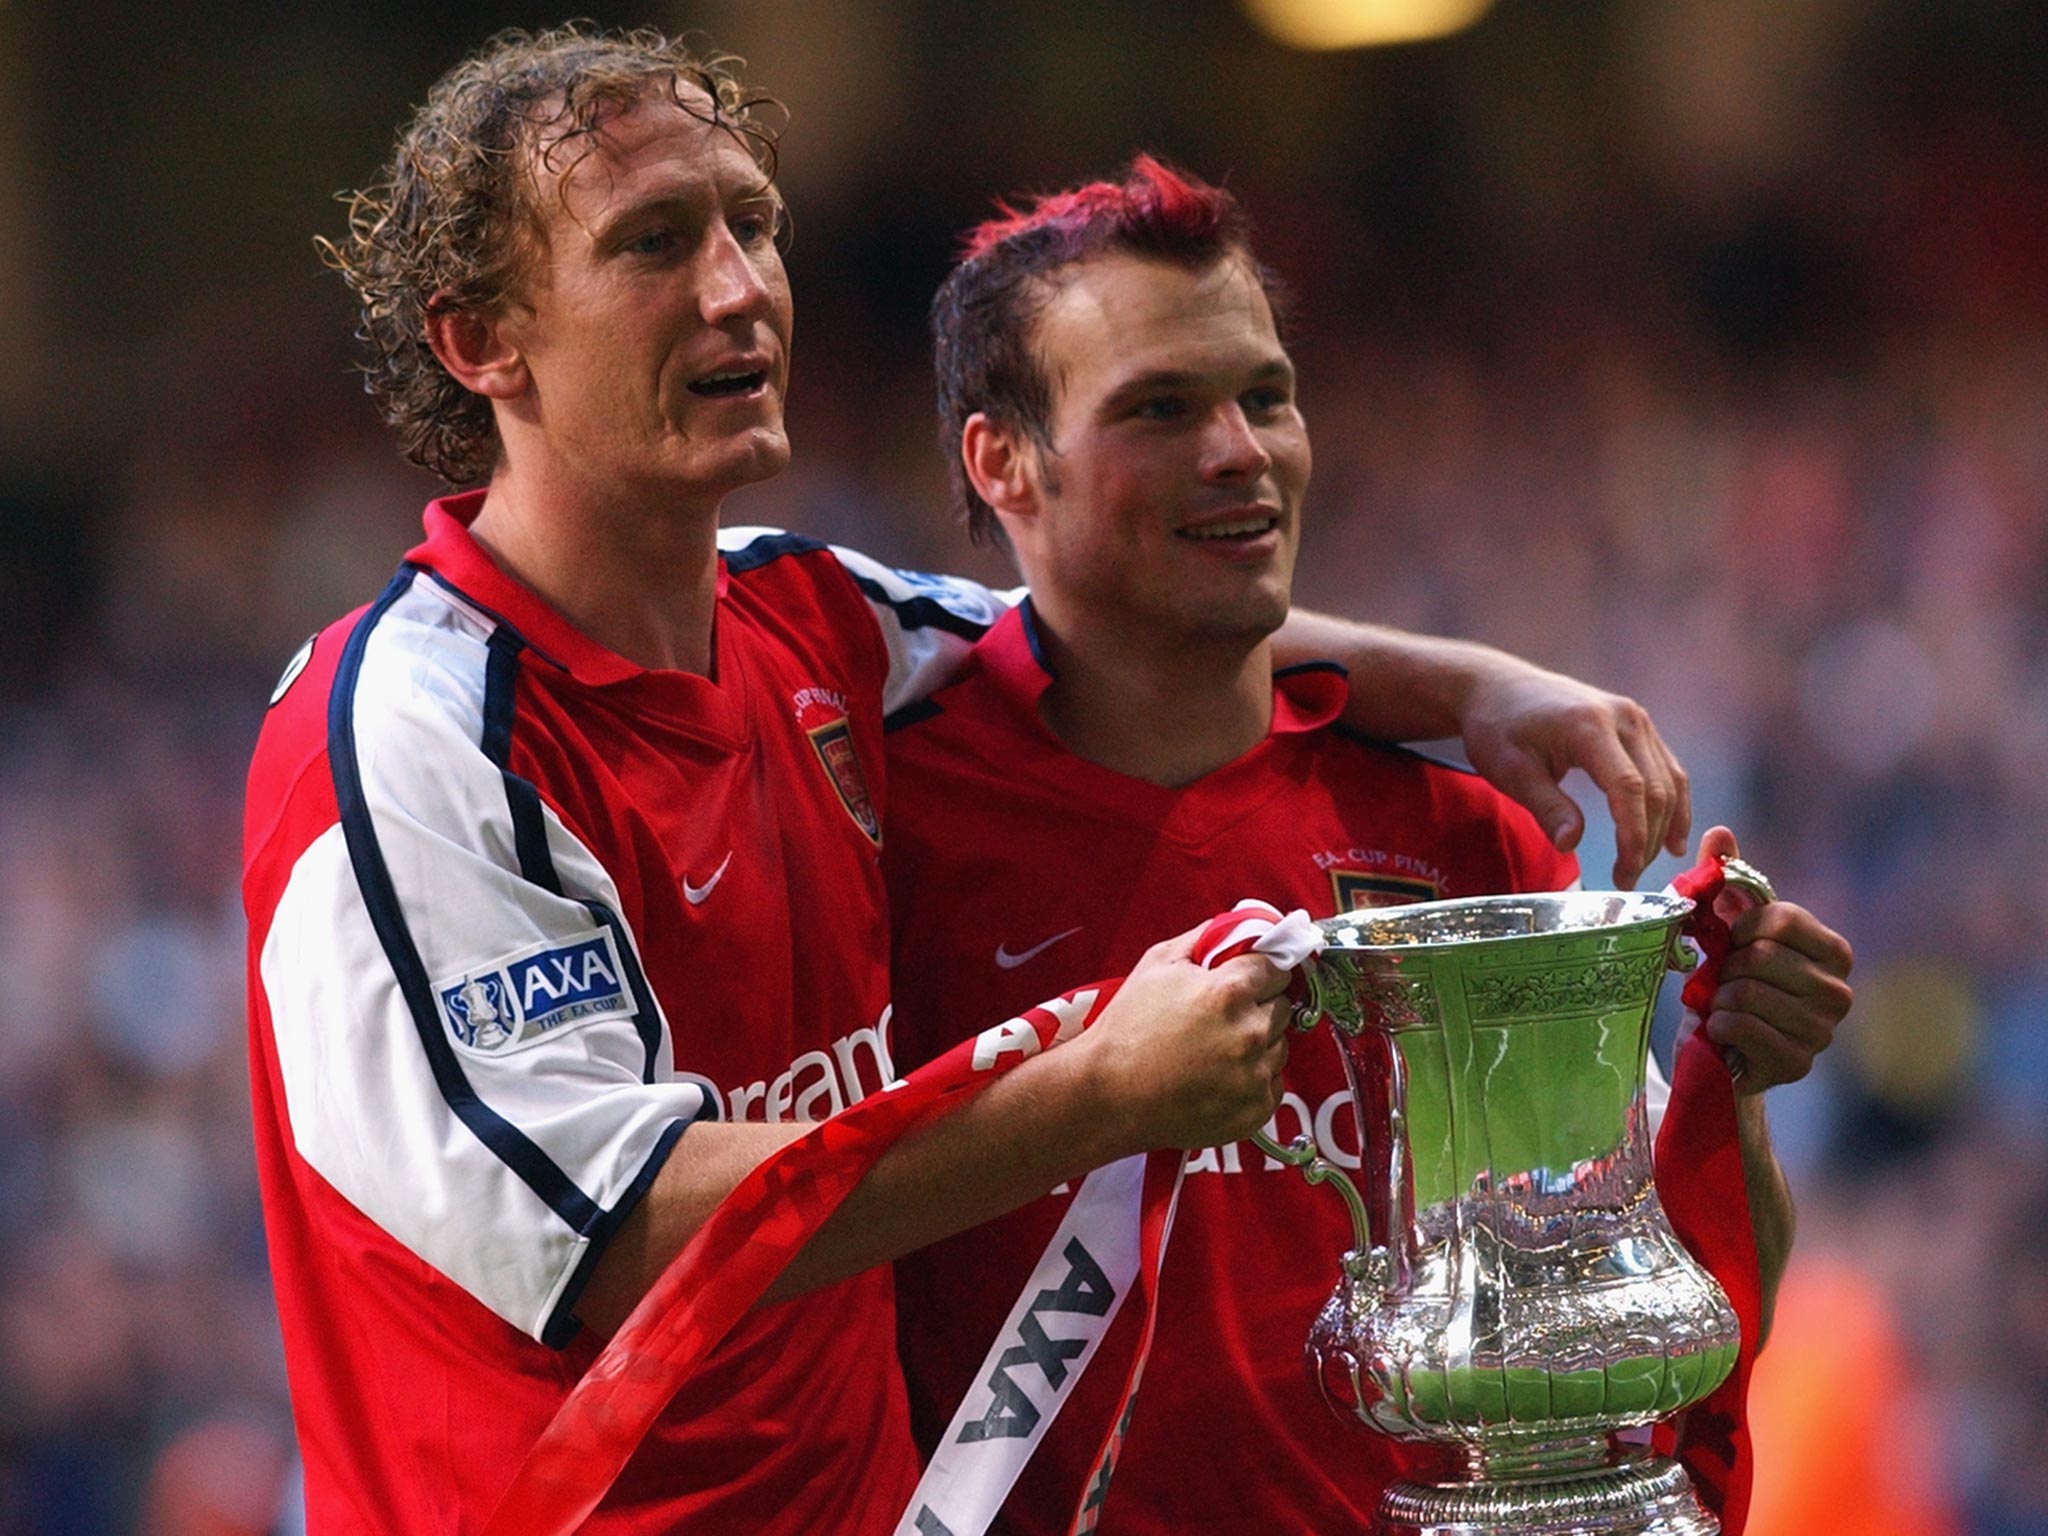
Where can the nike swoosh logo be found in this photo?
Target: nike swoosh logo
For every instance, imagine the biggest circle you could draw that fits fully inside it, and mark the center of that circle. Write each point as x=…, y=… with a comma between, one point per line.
x=1010, y=962
x=695, y=894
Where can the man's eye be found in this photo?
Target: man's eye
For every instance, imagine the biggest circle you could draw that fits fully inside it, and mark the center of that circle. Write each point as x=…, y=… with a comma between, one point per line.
x=753, y=228
x=1161, y=408
x=651, y=242
x=1264, y=402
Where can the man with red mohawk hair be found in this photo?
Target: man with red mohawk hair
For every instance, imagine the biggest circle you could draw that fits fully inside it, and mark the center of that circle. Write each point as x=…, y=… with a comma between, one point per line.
x=1121, y=757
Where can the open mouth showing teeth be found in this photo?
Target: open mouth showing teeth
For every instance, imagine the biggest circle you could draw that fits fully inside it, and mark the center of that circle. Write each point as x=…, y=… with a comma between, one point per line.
x=1249, y=528
x=719, y=384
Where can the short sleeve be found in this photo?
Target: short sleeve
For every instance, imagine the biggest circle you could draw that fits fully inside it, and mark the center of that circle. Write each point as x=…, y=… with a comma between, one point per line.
x=469, y=1051
x=928, y=623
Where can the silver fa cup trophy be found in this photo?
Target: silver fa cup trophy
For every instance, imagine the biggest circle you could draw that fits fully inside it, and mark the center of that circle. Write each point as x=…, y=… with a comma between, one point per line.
x=1515, y=1292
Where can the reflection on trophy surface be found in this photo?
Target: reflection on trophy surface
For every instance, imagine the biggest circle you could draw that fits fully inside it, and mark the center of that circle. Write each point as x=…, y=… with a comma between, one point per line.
x=1515, y=1291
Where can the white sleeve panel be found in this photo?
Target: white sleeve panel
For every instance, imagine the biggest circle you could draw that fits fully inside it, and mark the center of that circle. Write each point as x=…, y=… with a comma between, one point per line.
x=929, y=623
x=491, y=1119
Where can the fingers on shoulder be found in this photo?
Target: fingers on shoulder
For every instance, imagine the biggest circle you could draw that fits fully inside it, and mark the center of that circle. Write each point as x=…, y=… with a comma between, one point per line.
x=1598, y=742
x=1647, y=787
x=1678, y=826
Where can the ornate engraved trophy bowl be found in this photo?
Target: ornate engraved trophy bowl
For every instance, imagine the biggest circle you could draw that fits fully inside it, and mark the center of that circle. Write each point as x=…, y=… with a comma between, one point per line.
x=1516, y=1291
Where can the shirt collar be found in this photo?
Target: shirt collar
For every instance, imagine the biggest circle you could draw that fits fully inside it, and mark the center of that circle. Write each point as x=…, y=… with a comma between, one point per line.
x=1015, y=660
x=1305, y=697
x=1308, y=696
x=451, y=554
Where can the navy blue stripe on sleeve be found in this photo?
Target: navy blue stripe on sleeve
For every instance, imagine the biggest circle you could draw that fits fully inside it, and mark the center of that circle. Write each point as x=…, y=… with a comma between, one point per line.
x=562, y=1325
x=645, y=1018
x=910, y=714
x=530, y=832
x=498, y=620
x=1402, y=750
x=529, y=823
x=759, y=552
x=921, y=612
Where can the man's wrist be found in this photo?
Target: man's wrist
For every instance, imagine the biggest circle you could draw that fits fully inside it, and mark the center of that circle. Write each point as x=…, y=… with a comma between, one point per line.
x=1751, y=1118
x=1089, y=1119
x=1404, y=686
x=1451, y=673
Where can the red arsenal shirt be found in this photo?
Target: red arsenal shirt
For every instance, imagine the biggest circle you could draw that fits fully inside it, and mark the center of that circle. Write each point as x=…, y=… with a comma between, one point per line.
x=1016, y=869
x=520, y=914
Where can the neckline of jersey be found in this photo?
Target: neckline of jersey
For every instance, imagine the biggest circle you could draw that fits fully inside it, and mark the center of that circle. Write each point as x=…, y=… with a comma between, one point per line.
x=714, y=707
x=1012, y=659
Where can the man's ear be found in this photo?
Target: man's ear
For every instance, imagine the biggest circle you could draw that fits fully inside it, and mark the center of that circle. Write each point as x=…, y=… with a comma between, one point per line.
x=1002, y=465
x=476, y=351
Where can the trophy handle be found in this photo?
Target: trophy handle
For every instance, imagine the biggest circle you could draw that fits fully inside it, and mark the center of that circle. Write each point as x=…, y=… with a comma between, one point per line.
x=1745, y=876
x=1317, y=1169
x=1326, y=990
x=1685, y=954
x=1323, y=996
x=1310, y=1001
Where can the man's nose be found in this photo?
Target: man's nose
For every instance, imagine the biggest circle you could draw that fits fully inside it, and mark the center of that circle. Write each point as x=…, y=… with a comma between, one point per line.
x=733, y=285
x=1231, y=449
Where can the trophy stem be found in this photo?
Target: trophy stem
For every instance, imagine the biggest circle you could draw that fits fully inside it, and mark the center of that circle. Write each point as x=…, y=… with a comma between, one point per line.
x=1636, y=1495
x=1550, y=1457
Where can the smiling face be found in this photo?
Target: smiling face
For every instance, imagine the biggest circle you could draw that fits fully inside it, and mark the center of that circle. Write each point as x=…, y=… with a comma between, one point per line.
x=1167, y=510
x=654, y=327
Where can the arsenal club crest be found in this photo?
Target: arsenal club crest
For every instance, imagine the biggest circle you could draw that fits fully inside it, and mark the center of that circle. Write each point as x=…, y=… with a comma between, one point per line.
x=1357, y=890
x=822, y=714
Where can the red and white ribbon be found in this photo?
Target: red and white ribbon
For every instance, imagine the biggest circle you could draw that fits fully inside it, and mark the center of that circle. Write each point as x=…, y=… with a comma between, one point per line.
x=1701, y=1186
x=1289, y=940
x=1254, y=927
x=736, y=1255
x=1117, y=1228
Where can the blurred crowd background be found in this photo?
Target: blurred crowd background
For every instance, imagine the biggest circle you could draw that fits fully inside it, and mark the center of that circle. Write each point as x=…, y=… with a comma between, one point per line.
x=1699, y=347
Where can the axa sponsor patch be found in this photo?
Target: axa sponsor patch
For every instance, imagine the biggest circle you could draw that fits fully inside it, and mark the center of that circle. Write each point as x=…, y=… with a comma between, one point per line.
x=968, y=602
x=540, y=991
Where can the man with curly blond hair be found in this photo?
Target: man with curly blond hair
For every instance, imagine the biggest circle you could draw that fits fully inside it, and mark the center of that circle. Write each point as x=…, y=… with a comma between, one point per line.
x=562, y=854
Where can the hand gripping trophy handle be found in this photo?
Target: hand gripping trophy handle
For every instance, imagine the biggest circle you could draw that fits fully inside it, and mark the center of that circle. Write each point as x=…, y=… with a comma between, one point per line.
x=1706, y=930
